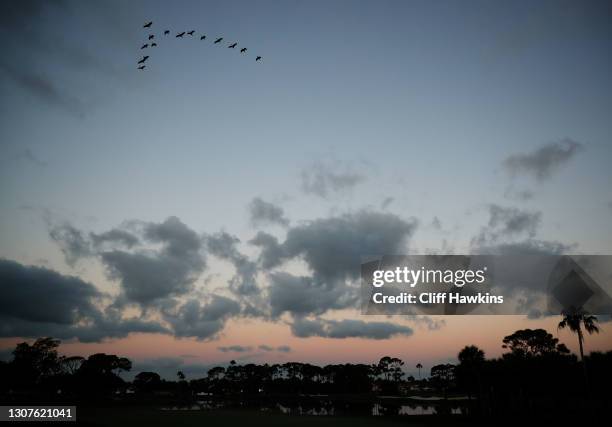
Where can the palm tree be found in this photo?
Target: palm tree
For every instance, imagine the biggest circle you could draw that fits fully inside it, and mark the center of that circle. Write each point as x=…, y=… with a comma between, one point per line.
x=419, y=366
x=575, y=320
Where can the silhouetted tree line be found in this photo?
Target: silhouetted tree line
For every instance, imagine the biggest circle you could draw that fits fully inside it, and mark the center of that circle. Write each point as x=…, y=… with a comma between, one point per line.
x=537, y=372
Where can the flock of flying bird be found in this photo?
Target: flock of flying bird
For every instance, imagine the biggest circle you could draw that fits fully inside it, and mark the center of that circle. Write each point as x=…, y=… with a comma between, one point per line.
x=151, y=43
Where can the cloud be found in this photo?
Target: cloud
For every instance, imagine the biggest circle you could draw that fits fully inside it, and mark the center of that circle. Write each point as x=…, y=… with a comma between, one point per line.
x=526, y=247
x=235, y=349
x=37, y=301
x=43, y=41
x=347, y=328
x=223, y=246
x=300, y=295
x=27, y=155
x=510, y=221
x=72, y=242
x=333, y=247
x=283, y=348
x=544, y=161
x=23, y=31
x=202, y=321
x=520, y=195
x=149, y=276
x=324, y=180
x=42, y=88
x=386, y=203
x=507, y=222
x=264, y=213
x=115, y=236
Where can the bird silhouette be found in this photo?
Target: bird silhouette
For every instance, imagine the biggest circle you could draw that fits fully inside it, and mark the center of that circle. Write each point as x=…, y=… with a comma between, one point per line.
x=142, y=67
x=144, y=46
x=232, y=46
x=258, y=58
x=144, y=58
x=244, y=49
x=203, y=37
x=166, y=32
x=218, y=40
x=151, y=36
x=148, y=24
x=191, y=32
x=181, y=34
x=153, y=44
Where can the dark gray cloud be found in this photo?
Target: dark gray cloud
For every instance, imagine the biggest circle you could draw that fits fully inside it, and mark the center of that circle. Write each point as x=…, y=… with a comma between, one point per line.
x=38, y=50
x=223, y=246
x=511, y=221
x=235, y=349
x=300, y=295
x=544, y=161
x=24, y=33
x=283, y=349
x=347, y=328
x=149, y=276
x=73, y=243
x=333, y=247
x=27, y=310
x=526, y=247
x=114, y=236
x=202, y=321
x=507, y=223
x=325, y=180
x=265, y=213
x=146, y=276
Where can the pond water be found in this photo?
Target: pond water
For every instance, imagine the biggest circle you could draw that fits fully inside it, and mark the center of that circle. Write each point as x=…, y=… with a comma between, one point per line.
x=330, y=408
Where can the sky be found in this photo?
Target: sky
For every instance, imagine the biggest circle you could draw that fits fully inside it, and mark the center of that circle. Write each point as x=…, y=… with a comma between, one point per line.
x=213, y=207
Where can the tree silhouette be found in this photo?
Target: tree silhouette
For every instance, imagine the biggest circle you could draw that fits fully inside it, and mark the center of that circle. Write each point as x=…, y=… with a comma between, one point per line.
x=575, y=320
x=33, y=363
x=529, y=343
x=147, y=381
x=419, y=367
x=471, y=360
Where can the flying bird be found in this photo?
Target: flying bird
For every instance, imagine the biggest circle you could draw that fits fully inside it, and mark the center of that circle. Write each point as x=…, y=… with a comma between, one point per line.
x=144, y=58
x=151, y=36
x=153, y=44
x=148, y=24
x=244, y=49
x=232, y=46
x=166, y=32
x=144, y=46
x=218, y=40
x=258, y=58
x=191, y=32
x=203, y=37
x=142, y=67
x=181, y=34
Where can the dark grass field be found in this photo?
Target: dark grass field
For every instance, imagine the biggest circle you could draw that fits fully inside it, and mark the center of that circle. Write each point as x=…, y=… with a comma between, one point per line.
x=224, y=418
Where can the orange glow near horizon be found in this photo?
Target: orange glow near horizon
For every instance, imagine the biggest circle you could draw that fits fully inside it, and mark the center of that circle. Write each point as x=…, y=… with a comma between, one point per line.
x=428, y=347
